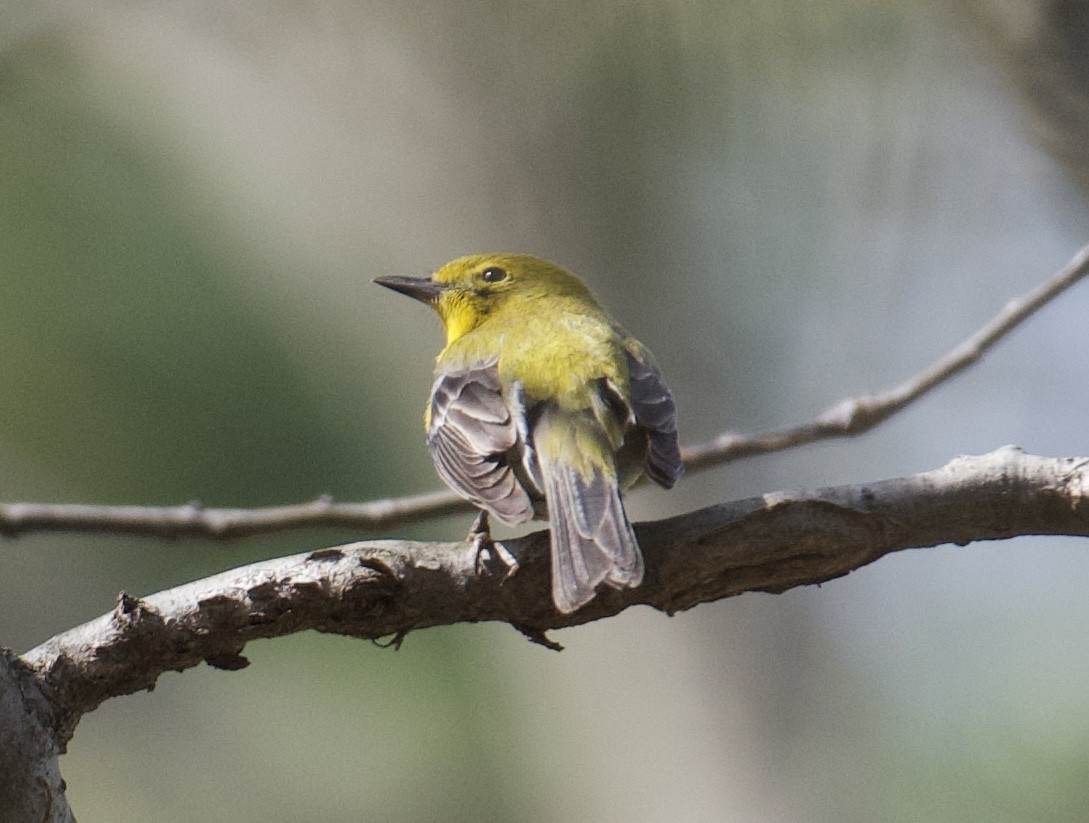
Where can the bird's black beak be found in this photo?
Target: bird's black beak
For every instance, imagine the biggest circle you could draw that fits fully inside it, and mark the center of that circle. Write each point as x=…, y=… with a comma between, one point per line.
x=423, y=289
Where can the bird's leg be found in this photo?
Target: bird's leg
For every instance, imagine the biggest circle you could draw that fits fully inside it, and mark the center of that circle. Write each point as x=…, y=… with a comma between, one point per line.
x=480, y=536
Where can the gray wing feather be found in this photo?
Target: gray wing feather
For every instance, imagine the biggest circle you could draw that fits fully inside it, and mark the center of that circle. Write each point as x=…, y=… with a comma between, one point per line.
x=472, y=437
x=654, y=410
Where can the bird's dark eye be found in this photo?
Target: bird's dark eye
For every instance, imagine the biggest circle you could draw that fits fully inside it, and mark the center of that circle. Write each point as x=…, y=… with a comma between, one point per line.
x=493, y=274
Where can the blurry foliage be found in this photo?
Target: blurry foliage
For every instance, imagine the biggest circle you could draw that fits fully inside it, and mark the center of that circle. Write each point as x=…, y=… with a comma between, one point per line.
x=126, y=344
x=789, y=202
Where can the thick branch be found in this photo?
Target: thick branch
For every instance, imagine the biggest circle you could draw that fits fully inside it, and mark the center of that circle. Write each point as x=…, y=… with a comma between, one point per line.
x=847, y=418
x=388, y=588
x=31, y=787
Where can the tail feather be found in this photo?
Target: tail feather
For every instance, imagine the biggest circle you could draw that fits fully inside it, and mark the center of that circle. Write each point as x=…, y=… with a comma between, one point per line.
x=592, y=540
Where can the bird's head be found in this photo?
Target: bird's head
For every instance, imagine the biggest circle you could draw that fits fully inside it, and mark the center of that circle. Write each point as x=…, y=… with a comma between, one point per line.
x=467, y=291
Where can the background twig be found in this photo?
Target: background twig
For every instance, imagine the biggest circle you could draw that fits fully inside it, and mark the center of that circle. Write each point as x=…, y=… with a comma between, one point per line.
x=857, y=415
x=849, y=417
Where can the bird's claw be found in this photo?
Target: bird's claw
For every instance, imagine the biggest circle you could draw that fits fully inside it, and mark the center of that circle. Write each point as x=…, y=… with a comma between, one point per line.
x=485, y=549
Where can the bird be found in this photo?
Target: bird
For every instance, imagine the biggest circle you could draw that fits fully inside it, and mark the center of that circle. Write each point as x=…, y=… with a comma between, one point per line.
x=544, y=407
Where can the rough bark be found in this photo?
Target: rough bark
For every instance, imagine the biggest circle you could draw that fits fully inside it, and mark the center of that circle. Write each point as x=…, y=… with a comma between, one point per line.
x=379, y=589
x=31, y=788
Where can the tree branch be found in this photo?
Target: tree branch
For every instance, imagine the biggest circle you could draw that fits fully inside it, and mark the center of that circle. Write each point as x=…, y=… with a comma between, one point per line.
x=31, y=787
x=389, y=588
x=194, y=520
x=849, y=417
x=857, y=415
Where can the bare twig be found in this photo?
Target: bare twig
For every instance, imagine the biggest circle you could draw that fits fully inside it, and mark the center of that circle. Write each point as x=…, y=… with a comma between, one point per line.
x=194, y=520
x=848, y=418
x=860, y=414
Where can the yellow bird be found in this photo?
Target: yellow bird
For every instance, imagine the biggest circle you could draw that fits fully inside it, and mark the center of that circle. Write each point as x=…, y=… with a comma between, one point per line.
x=543, y=406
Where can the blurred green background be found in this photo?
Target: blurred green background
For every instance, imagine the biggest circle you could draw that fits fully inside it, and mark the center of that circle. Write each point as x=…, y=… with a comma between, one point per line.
x=789, y=202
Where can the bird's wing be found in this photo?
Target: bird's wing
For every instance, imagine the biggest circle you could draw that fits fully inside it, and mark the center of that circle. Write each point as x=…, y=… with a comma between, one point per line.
x=471, y=435
x=592, y=540
x=654, y=410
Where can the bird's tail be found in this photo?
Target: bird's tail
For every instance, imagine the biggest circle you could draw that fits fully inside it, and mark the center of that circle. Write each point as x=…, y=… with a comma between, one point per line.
x=592, y=540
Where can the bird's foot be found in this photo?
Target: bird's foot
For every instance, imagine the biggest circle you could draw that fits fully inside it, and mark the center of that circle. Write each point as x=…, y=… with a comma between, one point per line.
x=486, y=549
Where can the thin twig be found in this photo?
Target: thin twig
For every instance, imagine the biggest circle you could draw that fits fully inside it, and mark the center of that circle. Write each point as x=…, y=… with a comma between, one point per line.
x=845, y=419
x=860, y=414
x=194, y=520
